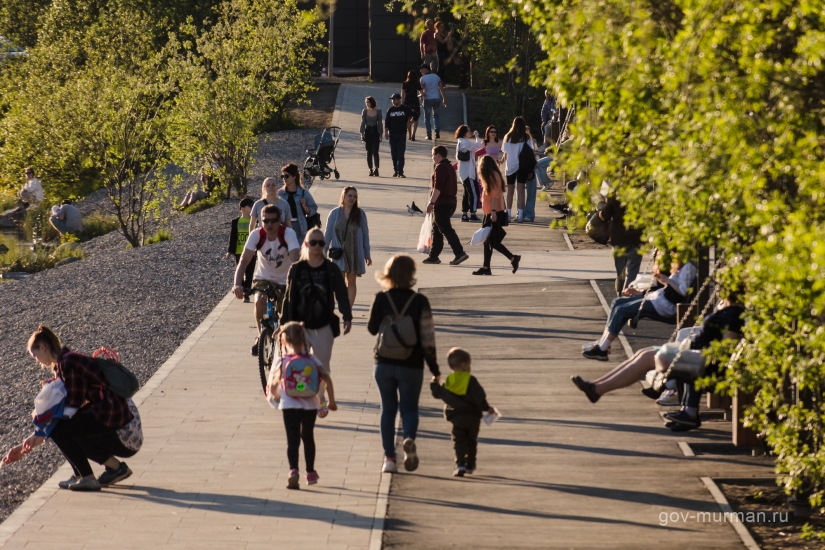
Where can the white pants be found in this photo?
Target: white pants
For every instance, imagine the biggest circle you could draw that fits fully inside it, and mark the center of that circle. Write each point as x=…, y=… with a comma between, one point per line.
x=320, y=342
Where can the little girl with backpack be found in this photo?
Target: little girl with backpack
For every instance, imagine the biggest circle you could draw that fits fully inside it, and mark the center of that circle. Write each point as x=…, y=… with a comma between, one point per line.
x=293, y=388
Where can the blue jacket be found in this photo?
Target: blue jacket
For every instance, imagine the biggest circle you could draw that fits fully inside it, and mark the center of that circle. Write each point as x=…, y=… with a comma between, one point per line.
x=362, y=237
x=301, y=227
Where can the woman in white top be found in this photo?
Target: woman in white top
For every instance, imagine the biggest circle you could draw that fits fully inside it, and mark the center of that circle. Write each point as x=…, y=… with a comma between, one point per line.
x=465, y=148
x=514, y=141
x=32, y=192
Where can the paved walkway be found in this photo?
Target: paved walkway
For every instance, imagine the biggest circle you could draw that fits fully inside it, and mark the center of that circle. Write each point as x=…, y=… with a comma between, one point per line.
x=212, y=471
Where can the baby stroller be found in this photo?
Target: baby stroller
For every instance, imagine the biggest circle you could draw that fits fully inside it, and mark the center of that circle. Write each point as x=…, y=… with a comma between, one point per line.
x=318, y=162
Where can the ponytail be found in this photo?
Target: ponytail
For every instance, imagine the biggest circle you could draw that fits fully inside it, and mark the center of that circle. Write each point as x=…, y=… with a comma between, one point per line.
x=44, y=338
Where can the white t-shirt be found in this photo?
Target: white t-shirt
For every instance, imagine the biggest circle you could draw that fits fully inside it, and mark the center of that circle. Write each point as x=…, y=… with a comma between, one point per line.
x=34, y=187
x=467, y=168
x=430, y=82
x=283, y=206
x=683, y=278
x=512, y=150
x=273, y=258
x=287, y=402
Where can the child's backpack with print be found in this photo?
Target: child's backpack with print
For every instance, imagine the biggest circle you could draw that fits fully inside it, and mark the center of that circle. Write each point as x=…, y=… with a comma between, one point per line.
x=299, y=375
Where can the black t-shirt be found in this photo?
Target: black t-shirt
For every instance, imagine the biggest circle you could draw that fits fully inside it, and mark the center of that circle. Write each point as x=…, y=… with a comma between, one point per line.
x=397, y=117
x=313, y=295
x=717, y=324
x=290, y=199
x=411, y=90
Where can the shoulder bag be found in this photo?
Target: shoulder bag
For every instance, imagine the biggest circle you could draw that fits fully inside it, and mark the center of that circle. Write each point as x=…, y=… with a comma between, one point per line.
x=336, y=253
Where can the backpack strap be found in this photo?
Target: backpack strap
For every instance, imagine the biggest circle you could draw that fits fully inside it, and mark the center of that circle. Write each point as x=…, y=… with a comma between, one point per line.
x=261, y=239
x=281, y=233
x=406, y=306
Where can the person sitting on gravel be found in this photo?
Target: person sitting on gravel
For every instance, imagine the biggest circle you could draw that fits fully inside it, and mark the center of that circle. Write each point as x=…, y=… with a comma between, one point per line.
x=66, y=218
x=724, y=323
x=269, y=195
x=96, y=423
x=658, y=303
x=32, y=193
x=276, y=247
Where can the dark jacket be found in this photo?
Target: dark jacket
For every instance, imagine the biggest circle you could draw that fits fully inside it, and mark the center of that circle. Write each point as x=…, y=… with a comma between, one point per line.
x=715, y=326
x=233, y=236
x=473, y=402
x=334, y=280
x=422, y=317
x=621, y=237
x=396, y=119
x=445, y=180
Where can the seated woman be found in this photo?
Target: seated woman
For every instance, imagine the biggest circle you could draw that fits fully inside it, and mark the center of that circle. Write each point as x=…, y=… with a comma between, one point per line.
x=661, y=303
x=725, y=323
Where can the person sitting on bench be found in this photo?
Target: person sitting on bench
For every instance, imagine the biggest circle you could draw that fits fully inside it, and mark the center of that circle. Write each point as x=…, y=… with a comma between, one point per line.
x=725, y=323
x=659, y=304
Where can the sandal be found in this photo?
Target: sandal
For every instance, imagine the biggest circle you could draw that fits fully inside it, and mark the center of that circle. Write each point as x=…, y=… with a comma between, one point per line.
x=323, y=410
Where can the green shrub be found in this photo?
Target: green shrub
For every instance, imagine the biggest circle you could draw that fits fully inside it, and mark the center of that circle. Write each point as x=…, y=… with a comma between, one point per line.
x=212, y=200
x=69, y=238
x=97, y=224
x=24, y=259
x=37, y=224
x=160, y=236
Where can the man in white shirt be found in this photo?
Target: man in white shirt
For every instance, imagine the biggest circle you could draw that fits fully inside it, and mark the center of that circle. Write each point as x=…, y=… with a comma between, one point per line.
x=432, y=89
x=275, y=255
x=32, y=192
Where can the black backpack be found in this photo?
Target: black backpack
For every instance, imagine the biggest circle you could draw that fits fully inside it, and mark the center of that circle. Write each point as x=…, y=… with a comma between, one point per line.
x=526, y=162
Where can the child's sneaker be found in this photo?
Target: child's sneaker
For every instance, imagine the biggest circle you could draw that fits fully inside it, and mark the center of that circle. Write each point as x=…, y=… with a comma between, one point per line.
x=312, y=478
x=292, y=482
x=323, y=410
x=389, y=466
x=459, y=471
x=410, y=456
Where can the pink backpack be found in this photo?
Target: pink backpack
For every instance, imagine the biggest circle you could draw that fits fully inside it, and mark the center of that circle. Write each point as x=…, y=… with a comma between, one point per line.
x=299, y=375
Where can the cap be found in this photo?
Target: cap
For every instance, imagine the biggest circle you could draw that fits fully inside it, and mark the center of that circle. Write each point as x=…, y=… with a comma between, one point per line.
x=424, y=66
x=395, y=96
x=247, y=201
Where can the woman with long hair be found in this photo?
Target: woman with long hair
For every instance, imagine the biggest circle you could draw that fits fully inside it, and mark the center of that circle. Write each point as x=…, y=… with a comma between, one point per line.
x=492, y=204
x=348, y=239
x=410, y=92
x=491, y=142
x=399, y=380
x=517, y=138
x=372, y=128
x=269, y=195
x=444, y=44
x=301, y=204
x=467, y=143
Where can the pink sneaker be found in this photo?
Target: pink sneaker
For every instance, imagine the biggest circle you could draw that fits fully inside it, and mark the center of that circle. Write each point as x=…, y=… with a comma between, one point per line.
x=312, y=478
x=292, y=482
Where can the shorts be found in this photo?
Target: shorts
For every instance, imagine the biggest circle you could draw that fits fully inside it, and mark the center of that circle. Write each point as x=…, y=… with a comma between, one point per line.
x=280, y=291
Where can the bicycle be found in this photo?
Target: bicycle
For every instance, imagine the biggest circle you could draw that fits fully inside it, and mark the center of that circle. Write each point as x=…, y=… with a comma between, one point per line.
x=269, y=328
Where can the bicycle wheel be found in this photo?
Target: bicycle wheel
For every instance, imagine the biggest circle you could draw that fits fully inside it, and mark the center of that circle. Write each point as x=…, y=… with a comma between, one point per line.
x=266, y=355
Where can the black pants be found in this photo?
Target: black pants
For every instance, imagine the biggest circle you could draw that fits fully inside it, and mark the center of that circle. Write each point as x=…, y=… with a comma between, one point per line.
x=465, y=439
x=398, y=145
x=372, y=142
x=300, y=426
x=469, y=202
x=442, y=227
x=250, y=270
x=82, y=437
x=493, y=243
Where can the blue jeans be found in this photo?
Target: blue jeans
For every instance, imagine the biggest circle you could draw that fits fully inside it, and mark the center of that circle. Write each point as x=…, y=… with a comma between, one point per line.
x=623, y=309
x=431, y=107
x=529, y=212
x=398, y=145
x=398, y=385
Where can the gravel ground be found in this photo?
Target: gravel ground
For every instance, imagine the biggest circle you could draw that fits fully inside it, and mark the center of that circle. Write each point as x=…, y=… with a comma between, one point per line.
x=142, y=302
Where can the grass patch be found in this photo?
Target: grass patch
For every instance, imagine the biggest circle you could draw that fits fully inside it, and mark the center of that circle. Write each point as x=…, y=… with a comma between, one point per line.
x=212, y=200
x=20, y=258
x=7, y=201
x=160, y=236
x=37, y=226
x=97, y=224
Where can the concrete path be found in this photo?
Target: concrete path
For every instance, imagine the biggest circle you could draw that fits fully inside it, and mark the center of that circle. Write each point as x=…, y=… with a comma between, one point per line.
x=213, y=468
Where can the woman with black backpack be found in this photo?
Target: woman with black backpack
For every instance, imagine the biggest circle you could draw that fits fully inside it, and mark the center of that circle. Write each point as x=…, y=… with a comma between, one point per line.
x=94, y=422
x=403, y=321
x=313, y=284
x=514, y=156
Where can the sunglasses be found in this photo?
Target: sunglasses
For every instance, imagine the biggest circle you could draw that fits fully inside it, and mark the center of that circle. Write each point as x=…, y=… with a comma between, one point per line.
x=316, y=242
x=271, y=220
x=285, y=176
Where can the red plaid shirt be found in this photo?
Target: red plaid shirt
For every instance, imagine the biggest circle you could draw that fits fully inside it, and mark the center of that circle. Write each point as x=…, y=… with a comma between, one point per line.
x=85, y=383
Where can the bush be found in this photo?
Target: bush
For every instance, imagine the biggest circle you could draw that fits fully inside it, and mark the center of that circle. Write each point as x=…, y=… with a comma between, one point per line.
x=37, y=226
x=160, y=236
x=213, y=200
x=97, y=224
x=69, y=238
x=20, y=258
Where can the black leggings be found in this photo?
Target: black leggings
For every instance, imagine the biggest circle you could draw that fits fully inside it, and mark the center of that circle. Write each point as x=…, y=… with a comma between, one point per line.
x=488, y=248
x=82, y=437
x=300, y=424
x=469, y=202
x=371, y=141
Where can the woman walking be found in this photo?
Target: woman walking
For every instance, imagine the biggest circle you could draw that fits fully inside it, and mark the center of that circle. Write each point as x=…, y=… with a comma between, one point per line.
x=465, y=149
x=312, y=287
x=348, y=239
x=302, y=206
x=410, y=91
x=492, y=203
x=372, y=128
x=96, y=423
x=269, y=195
x=517, y=138
x=444, y=43
x=399, y=380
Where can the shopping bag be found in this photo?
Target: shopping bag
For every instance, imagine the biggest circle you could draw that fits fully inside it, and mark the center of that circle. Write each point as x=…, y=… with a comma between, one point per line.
x=481, y=235
x=425, y=237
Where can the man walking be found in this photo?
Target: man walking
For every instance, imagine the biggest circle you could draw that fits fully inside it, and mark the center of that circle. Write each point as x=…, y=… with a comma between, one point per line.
x=548, y=115
x=626, y=243
x=443, y=204
x=429, y=48
x=432, y=88
x=395, y=131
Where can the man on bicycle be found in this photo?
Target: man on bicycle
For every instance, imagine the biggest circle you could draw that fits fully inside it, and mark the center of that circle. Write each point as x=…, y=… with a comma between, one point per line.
x=277, y=247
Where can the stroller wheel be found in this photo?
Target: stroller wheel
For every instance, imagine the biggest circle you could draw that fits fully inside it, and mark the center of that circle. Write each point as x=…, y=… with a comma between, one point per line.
x=321, y=176
x=337, y=175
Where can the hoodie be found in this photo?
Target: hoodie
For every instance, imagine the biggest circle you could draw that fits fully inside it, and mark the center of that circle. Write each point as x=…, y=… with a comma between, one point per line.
x=462, y=394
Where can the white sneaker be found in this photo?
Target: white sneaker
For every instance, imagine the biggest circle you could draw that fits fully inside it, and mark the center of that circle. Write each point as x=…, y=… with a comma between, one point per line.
x=668, y=398
x=389, y=466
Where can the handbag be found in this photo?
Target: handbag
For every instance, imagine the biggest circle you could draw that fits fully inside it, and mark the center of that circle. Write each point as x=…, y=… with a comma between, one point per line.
x=463, y=156
x=336, y=253
x=597, y=229
x=335, y=325
x=481, y=235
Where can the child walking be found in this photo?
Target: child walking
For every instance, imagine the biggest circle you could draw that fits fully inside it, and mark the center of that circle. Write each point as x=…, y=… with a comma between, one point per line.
x=237, y=239
x=465, y=404
x=293, y=385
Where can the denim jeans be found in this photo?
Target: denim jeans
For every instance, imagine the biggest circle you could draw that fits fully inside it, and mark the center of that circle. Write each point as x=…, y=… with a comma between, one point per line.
x=625, y=308
x=398, y=145
x=627, y=267
x=529, y=212
x=400, y=387
x=431, y=117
